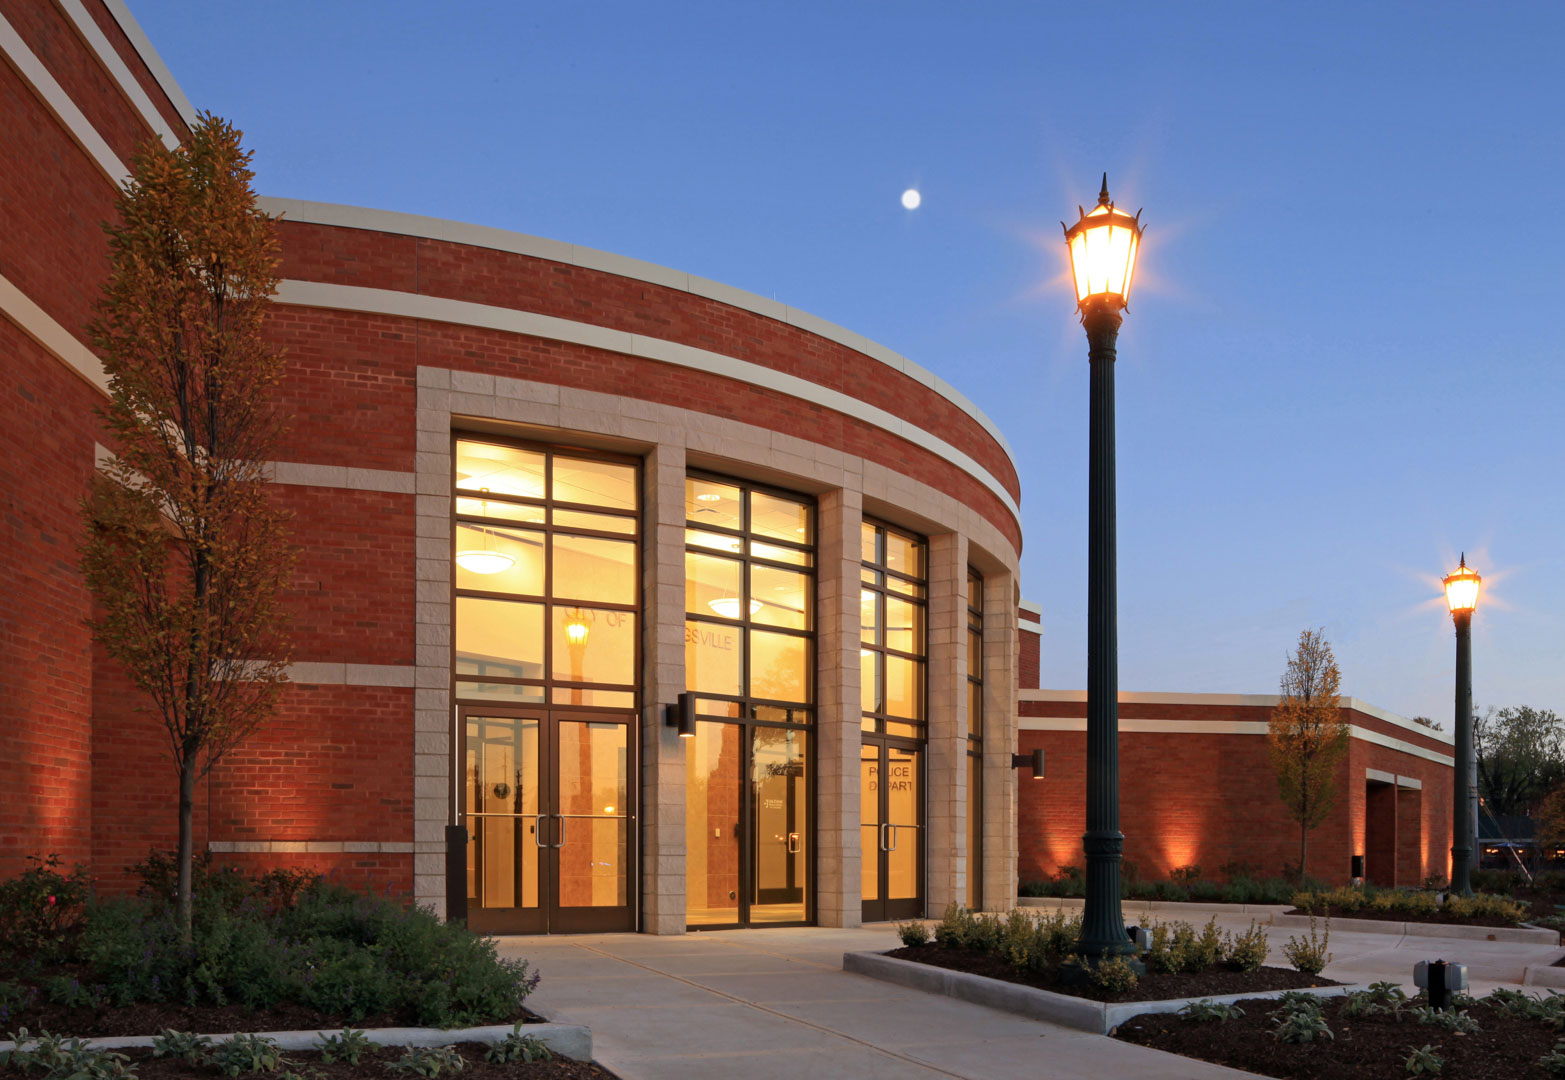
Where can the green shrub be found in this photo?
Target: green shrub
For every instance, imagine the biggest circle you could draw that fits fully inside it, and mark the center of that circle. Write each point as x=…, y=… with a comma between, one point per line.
x=1033, y=888
x=59, y=1058
x=181, y=1045
x=1208, y=1011
x=347, y=1045
x=1113, y=974
x=1207, y=948
x=246, y=1054
x=1246, y=951
x=1185, y=875
x=1309, y=955
x=1298, y=1019
x=15, y=997
x=1423, y=1059
x=428, y=1061
x=1455, y=1020
x=913, y=933
x=72, y=993
x=40, y=911
x=1553, y=1062
x=951, y=932
x=518, y=1047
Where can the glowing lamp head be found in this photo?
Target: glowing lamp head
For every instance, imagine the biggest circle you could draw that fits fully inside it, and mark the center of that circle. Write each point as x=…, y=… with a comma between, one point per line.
x=484, y=562
x=728, y=606
x=576, y=631
x=1461, y=589
x=1103, y=246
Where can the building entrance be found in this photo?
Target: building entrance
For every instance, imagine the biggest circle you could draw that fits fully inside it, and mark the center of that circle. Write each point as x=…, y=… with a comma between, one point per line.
x=546, y=800
x=891, y=831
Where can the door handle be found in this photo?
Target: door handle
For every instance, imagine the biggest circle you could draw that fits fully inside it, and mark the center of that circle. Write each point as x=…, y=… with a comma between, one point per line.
x=793, y=843
x=893, y=829
x=559, y=820
x=883, y=828
x=538, y=830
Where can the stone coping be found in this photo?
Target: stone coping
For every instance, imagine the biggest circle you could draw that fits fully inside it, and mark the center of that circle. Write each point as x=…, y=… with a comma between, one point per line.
x=1157, y=907
x=568, y=1040
x=1098, y=1017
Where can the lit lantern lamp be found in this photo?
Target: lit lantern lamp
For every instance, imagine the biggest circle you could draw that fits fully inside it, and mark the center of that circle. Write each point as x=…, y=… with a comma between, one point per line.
x=1103, y=246
x=576, y=629
x=1461, y=596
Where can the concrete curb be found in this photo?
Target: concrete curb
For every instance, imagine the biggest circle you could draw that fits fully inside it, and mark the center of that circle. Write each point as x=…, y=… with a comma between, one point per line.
x=1169, y=907
x=1515, y=934
x=1543, y=975
x=568, y=1040
x=1073, y=1012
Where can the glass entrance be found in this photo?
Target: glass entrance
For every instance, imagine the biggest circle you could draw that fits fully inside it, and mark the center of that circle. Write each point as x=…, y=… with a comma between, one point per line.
x=550, y=829
x=891, y=833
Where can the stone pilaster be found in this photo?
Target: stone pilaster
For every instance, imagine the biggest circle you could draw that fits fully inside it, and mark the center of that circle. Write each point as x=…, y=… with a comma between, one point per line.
x=663, y=679
x=945, y=763
x=1000, y=779
x=838, y=899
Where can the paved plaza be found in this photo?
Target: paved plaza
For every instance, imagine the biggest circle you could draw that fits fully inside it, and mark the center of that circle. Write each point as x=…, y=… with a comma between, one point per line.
x=764, y=1004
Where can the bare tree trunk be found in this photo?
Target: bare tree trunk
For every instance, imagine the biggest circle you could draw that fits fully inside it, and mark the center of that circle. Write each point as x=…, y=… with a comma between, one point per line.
x=187, y=807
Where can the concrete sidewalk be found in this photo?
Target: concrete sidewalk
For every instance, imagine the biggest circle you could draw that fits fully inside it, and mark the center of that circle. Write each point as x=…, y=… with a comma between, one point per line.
x=766, y=1004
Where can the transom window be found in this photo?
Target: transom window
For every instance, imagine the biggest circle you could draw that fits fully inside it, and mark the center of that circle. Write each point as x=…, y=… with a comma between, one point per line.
x=547, y=577
x=892, y=636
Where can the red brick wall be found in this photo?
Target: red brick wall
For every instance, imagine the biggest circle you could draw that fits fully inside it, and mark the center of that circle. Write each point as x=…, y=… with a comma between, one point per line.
x=1189, y=798
x=1029, y=648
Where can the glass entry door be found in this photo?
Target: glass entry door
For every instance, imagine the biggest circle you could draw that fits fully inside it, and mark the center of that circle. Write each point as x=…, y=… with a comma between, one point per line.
x=551, y=832
x=891, y=830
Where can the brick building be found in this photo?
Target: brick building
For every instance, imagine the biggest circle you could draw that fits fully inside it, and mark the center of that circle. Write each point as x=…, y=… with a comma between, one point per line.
x=540, y=492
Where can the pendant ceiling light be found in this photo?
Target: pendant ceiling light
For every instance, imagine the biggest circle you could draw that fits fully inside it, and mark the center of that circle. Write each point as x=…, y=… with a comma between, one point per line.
x=728, y=606
x=484, y=560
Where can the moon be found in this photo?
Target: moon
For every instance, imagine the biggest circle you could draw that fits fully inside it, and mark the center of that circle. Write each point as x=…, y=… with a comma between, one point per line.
x=911, y=199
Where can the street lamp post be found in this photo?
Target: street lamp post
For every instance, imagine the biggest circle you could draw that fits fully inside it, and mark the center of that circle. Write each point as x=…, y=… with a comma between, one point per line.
x=1461, y=595
x=1103, y=245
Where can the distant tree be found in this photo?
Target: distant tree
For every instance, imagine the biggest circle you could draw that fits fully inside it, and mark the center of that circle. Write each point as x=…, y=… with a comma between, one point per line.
x=1424, y=721
x=1551, y=822
x=185, y=554
x=1307, y=735
x=1521, y=756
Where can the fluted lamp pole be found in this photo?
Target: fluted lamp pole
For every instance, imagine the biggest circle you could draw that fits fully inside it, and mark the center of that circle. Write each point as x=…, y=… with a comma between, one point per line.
x=1461, y=596
x=1103, y=245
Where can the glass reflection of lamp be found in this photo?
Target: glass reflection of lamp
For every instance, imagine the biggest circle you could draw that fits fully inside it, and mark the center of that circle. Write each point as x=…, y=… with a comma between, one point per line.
x=1461, y=596
x=576, y=631
x=484, y=560
x=728, y=606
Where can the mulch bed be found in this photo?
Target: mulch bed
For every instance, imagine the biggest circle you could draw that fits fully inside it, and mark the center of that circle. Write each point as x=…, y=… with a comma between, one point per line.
x=373, y=1063
x=1210, y=983
x=150, y=1018
x=1336, y=912
x=1365, y=1048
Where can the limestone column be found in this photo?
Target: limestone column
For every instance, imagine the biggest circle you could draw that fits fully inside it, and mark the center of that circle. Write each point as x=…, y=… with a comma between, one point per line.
x=945, y=762
x=1000, y=779
x=662, y=681
x=838, y=894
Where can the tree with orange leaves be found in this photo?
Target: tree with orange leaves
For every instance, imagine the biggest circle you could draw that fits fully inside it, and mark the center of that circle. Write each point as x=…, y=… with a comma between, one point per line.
x=1307, y=735
x=184, y=551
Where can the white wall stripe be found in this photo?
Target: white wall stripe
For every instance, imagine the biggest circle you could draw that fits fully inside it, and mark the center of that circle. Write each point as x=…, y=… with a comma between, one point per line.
x=466, y=313
x=311, y=847
x=37, y=324
x=1219, y=727
x=300, y=474
x=357, y=217
x=1266, y=701
x=104, y=50
x=32, y=71
x=1030, y=626
x=150, y=57
x=326, y=674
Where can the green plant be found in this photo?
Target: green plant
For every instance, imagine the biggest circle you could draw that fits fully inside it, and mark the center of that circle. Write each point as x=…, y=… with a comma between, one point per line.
x=1423, y=1059
x=1298, y=1019
x=1206, y=1011
x=1553, y=1062
x=1206, y=949
x=1380, y=998
x=15, y=997
x=41, y=909
x=1185, y=875
x=1309, y=955
x=518, y=1047
x=347, y=1045
x=428, y=1061
x=72, y=993
x=1113, y=974
x=1450, y=1019
x=951, y=932
x=59, y=1058
x=1246, y=951
x=246, y=1054
x=183, y=1045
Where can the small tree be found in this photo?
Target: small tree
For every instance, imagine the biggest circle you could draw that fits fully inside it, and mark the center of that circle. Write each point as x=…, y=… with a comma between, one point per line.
x=184, y=552
x=1307, y=735
x=1521, y=755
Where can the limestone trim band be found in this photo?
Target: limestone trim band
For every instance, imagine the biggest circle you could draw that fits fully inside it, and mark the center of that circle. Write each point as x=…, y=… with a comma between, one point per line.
x=57, y=101
x=53, y=338
x=509, y=320
x=1220, y=727
x=98, y=42
x=299, y=474
x=149, y=56
x=457, y=232
x=311, y=847
x=1384, y=777
x=333, y=674
x=1261, y=700
x=1029, y=626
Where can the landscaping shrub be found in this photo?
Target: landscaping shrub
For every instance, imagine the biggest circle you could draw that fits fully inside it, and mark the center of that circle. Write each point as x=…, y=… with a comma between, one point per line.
x=1207, y=1011
x=1309, y=955
x=1113, y=974
x=1069, y=882
x=1410, y=903
x=59, y=1058
x=1246, y=951
x=40, y=911
x=913, y=933
x=1423, y=1059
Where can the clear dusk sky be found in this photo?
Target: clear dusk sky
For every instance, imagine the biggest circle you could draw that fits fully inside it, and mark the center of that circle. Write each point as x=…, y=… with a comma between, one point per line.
x=1343, y=360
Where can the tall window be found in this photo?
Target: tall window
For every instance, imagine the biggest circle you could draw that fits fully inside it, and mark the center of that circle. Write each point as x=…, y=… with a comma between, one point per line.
x=975, y=740
x=749, y=658
x=892, y=646
x=546, y=577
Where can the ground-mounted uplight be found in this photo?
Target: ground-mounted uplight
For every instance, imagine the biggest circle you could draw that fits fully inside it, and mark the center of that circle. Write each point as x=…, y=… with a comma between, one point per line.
x=1461, y=596
x=1103, y=247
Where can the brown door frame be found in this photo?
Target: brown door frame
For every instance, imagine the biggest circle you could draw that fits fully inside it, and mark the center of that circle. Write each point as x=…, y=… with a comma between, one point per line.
x=885, y=908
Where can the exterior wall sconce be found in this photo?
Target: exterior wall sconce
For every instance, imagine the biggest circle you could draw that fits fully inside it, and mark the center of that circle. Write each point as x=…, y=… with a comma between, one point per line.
x=1357, y=868
x=1034, y=759
x=682, y=716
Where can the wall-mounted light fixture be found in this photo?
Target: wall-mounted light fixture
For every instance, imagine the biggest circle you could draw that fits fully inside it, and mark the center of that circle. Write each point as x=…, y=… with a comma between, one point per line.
x=1034, y=759
x=682, y=715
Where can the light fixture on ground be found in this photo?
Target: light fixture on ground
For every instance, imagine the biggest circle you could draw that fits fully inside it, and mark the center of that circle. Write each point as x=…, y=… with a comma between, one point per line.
x=1461, y=596
x=1103, y=246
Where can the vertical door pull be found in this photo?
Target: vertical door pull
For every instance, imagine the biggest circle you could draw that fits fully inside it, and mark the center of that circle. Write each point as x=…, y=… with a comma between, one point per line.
x=793, y=843
x=538, y=830
x=559, y=825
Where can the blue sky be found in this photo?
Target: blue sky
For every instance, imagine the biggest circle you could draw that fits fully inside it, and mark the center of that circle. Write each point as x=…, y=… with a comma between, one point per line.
x=1341, y=366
